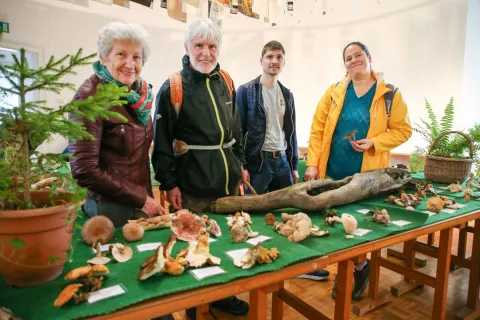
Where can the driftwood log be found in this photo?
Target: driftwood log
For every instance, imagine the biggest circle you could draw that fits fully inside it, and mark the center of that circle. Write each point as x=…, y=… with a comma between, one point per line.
x=319, y=194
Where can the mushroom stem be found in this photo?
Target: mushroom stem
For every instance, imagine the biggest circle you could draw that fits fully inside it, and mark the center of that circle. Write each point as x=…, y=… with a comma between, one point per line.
x=98, y=247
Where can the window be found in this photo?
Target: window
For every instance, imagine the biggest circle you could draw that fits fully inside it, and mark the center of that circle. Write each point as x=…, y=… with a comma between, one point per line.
x=7, y=59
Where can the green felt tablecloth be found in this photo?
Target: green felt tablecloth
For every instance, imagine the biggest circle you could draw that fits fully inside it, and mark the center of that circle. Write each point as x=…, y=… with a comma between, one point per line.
x=37, y=302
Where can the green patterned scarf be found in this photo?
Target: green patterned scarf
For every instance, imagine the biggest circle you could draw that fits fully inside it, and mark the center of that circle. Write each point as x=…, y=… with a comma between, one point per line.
x=140, y=100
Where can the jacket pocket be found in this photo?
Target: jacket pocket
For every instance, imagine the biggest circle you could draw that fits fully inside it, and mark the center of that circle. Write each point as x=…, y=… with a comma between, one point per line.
x=120, y=138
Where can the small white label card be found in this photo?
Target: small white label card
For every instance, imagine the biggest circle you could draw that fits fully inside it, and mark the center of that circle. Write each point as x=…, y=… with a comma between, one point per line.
x=460, y=205
x=443, y=188
x=102, y=248
x=203, y=273
x=106, y=293
x=210, y=240
x=363, y=211
x=234, y=254
x=361, y=232
x=148, y=246
x=430, y=213
x=449, y=211
x=258, y=239
x=401, y=223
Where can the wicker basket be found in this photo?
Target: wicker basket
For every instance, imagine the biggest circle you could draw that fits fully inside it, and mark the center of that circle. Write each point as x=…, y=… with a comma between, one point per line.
x=448, y=170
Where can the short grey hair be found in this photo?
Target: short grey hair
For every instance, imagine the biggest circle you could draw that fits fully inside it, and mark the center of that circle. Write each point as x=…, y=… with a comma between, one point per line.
x=122, y=31
x=205, y=29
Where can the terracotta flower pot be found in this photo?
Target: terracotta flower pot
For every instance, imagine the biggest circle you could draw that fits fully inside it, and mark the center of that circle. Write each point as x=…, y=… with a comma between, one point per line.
x=34, y=243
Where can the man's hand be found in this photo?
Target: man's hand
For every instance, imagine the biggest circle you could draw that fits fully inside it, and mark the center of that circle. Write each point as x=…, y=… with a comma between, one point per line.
x=152, y=207
x=295, y=176
x=361, y=145
x=245, y=175
x=311, y=173
x=174, y=197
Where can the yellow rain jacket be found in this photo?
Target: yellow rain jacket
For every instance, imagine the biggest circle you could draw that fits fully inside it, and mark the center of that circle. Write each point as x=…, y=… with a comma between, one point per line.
x=386, y=133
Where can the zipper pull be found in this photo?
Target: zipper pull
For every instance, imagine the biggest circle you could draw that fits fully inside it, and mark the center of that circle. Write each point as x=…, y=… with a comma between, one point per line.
x=122, y=129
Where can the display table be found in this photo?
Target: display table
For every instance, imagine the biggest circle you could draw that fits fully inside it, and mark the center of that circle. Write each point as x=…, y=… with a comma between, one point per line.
x=163, y=294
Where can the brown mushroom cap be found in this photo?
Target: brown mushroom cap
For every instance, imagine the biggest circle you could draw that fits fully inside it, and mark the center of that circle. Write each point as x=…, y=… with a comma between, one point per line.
x=96, y=228
x=133, y=232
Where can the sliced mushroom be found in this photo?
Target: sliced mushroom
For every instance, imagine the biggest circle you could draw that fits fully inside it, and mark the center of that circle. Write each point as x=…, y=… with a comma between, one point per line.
x=199, y=254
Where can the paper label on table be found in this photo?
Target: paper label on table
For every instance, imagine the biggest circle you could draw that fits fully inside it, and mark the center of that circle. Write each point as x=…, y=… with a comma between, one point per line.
x=363, y=211
x=148, y=246
x=443, y=187
x=102, y=248
x=450, y=211
x=361, y=232
x=258, y=239
x=234, y=254
x=430, y=213
x=401, y=223
x=206, y=272
x=461, y=205
x=106, y=293
x=209, y=241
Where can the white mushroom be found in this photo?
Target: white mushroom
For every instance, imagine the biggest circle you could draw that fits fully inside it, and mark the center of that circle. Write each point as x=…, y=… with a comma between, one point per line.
x=120, y=252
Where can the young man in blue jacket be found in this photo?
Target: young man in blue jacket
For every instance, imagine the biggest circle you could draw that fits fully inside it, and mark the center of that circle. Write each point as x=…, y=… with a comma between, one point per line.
x=267, y=113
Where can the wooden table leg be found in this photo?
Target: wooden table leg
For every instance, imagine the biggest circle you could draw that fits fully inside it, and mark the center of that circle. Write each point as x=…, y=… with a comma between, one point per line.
x=409, y=255
x=375, y=299
x=202, y=311
x=343, y=301
x=443, y=271
x=431, y=239
x=258, y=305
x=277, y=305
x=474, y=283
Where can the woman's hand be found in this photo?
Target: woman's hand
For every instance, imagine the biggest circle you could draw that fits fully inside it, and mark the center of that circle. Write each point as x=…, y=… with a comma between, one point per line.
x=311, y=173
x=245, y=175
x=174, y=197
x=152, y=207
x=361, y=145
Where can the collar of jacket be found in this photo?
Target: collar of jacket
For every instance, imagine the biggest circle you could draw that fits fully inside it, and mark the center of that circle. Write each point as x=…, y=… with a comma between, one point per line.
x=284, y=89
x=339, y=91
x=195, y=75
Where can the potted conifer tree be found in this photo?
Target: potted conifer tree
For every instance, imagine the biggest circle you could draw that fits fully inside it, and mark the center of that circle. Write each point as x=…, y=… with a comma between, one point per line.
x=36, y=225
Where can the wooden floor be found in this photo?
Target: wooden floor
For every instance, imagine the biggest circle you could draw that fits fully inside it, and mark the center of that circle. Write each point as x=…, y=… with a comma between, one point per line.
x=416, y=305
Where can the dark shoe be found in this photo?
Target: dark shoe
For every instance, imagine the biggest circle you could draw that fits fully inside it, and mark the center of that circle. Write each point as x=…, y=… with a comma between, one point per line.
x=191, y=313
x=319, y=275
x=232, y=305
x=361, y=280
x=334, y=290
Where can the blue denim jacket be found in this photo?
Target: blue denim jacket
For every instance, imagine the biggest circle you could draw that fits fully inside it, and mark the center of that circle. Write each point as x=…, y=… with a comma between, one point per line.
x=254, y=124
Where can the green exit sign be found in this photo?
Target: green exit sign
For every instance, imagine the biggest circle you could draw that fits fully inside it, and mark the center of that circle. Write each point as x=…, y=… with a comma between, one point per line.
x=4, y=27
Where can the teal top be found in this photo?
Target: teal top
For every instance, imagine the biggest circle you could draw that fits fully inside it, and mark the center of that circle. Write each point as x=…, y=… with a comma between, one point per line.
x=344, y=161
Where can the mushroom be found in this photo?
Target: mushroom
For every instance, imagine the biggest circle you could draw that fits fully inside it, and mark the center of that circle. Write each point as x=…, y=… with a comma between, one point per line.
x=256, y=255
x=97, y=228
x=435, y=204
x=172, y=266
x=296, y=227
x=68, y=293
x=133, y=232
x=99, y=259
x=382, y=216
x=153, y=264
x=236, y=220
x=349, y=222
x=270, y=219
x=455, y=187
x=472, y=182
x=199, y=254
x=120, y=252
x=238, y=234
x=187, y=226
x=349, y=135
x=86, y=271
x=214, y=228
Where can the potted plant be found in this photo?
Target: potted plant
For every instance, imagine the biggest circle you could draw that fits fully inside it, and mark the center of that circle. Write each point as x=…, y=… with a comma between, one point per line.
x=36, y=226
x=448, y=158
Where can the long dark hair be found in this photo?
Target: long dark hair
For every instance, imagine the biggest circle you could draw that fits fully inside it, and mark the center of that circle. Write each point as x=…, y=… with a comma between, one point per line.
x=358, y=43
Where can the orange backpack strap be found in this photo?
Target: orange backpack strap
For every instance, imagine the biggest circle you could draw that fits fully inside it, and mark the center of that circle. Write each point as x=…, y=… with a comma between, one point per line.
x=228, y=80
x=176, y=94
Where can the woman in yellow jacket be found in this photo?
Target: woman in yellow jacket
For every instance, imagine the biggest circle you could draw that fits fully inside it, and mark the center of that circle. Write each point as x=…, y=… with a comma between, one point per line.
x=357, y=102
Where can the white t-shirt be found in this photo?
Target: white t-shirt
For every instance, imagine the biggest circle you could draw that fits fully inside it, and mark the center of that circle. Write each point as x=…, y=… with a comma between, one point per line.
x=274, y=105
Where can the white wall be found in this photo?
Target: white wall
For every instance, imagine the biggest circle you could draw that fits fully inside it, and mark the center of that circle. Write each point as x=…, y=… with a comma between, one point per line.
x=419, y=44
